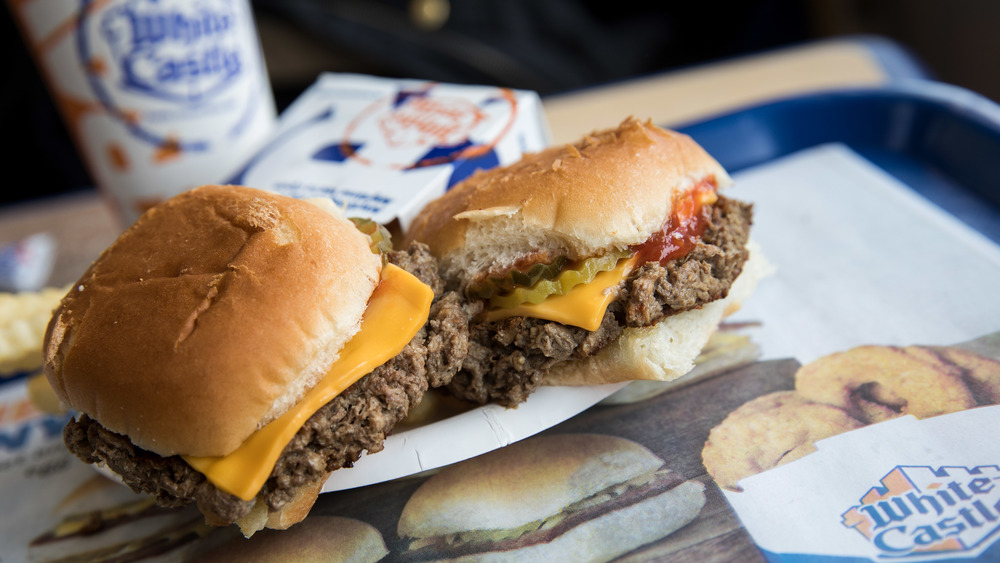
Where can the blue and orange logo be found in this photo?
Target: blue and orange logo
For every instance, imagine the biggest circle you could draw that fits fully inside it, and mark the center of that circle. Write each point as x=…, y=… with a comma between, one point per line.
x=153, y=64
x=922, y=511
x=183, y=53
x=418, y=127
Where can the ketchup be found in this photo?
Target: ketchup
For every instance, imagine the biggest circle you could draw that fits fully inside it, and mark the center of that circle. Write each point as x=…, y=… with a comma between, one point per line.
x=682, y=229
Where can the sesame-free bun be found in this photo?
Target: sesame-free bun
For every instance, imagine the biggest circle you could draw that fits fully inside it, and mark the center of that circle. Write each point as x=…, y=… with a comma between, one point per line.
x=209, y=317
x=611, y=189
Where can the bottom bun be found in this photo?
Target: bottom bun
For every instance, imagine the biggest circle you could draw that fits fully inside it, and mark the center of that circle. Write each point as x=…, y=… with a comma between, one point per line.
x=292, y=512
x=615, y=533
x=668, y=349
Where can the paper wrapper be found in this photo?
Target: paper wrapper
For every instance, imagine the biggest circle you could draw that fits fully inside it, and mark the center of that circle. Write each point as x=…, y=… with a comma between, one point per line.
x=903, y=488
x=871, y=264
x=382, y=148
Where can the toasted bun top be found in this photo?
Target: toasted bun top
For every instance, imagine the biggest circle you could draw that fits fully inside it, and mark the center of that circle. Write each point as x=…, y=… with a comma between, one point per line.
x=209, y=317
x=521, y=483
x=612, y=189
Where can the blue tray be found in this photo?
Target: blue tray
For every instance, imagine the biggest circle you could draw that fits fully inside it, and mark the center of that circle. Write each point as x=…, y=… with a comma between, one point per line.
x=941, y=140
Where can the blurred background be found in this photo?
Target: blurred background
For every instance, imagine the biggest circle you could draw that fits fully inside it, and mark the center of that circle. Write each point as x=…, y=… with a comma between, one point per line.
x=549, y=46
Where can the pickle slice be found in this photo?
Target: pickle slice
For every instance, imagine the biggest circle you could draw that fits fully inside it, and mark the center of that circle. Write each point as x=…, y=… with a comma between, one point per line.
x=489, y=287
x=380, y=238
x=536, y=273
x=561, y=284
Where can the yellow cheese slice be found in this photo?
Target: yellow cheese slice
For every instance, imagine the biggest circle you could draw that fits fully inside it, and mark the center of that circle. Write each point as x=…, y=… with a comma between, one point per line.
x=396, y=311
x=583, y=306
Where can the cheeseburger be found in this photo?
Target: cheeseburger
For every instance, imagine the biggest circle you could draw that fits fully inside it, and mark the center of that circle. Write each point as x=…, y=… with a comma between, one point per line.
x=610, y=259
x=233, y=347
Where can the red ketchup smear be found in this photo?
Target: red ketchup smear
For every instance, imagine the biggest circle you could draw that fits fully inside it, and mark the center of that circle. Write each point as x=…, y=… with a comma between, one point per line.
x=683, y=227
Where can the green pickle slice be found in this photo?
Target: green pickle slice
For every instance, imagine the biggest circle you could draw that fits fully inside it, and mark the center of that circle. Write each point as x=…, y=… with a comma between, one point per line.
x=495, y=286
x=584, y=272
x=381, y=239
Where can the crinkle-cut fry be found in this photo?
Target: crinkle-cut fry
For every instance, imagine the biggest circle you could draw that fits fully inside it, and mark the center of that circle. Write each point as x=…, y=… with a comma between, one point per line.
x=23, y=319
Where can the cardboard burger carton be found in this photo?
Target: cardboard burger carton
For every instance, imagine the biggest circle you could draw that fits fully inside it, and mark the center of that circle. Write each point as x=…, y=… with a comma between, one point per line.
x=382, y=148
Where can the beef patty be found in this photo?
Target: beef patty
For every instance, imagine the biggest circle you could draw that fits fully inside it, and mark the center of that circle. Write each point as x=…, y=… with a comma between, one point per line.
x=357, y=420
x=507, y=357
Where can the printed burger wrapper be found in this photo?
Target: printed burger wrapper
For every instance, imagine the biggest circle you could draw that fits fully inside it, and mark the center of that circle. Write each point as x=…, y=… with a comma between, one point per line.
x=382, y=148
x=871, y=263
x=902, y=489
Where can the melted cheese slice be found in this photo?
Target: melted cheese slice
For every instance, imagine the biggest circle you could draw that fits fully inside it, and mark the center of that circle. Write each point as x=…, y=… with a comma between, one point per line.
x=398, y=308
x=583, y=306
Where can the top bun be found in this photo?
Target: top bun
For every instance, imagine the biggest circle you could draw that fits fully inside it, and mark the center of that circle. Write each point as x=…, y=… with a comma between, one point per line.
x=612, y=189
x=527, y=481
x=209, y=317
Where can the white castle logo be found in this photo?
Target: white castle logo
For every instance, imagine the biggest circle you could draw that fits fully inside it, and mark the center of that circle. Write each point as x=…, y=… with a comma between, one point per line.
x=921, y=511
x=183, y=53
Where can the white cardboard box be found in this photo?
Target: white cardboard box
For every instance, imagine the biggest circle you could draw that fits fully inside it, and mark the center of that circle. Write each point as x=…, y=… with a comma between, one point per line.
x=382, y=148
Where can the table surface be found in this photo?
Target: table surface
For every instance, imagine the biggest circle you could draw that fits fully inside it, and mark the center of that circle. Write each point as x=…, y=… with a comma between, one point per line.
x=83, y=224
